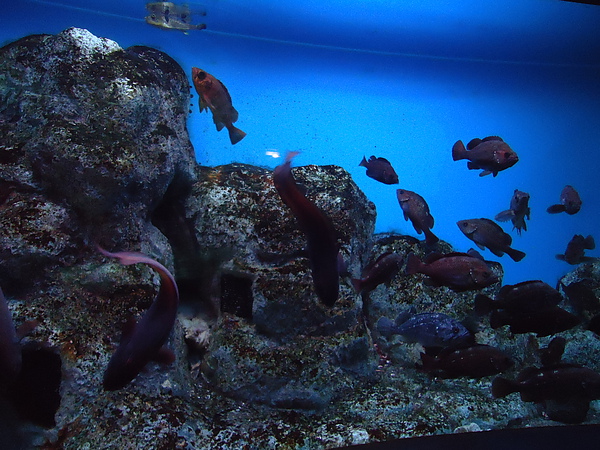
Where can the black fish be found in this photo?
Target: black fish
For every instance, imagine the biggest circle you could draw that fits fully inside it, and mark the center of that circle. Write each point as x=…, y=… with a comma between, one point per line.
x=458, y=271
x=475, y=361
x=380, y=271
x=320, y=235
x=575, y=252
x=565, y=390
x=416, y=209
x=526, y=296
x=551, y=355
x=428, y=329
x=519, y=209
x=543, y=322
x=570, y=202
x=380, y=169
x=491, y=154
x=486, y=233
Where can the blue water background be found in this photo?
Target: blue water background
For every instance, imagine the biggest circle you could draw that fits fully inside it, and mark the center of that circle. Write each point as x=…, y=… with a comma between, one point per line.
x=404, y=80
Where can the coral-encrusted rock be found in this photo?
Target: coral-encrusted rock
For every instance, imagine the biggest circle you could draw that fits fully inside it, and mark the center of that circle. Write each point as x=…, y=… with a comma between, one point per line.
x=100, y=130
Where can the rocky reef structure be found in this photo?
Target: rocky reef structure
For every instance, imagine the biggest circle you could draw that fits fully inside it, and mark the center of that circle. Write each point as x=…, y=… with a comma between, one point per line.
x=94, y=150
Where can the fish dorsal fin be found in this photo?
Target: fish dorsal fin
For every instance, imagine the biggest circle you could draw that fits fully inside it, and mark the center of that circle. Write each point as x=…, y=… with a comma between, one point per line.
x=434, y=256
x=492, y=138
x=373, y=158
x=473, y=143
x=474, y=253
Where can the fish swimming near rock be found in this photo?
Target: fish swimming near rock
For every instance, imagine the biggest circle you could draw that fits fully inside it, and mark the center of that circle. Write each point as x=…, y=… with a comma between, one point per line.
x=486, y=233
x=416, y=209
x=322, y=246
x=214, y=96
x=518, y=211
x=491, y=154
x=543, y=322
x=428, y=329
x=380, y=169
x=564, y=390
x=526, y=296
x=458, y=271
x=382, y=270
x=575, y=252
x=474, y=361
x=570, y=202
x=143, y=341
x=169, y=16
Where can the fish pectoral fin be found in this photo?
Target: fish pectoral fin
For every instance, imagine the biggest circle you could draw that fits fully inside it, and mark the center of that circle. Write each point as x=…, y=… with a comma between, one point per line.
x=482, y=247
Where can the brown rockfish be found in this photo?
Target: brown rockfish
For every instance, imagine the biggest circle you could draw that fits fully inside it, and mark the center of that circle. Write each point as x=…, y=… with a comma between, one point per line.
x=575, y=252
x=322, y=247
x=519, y=209
x=380, y=169
x=570, y=202
x=214, y=96
x=416, y=209
x=486, y=233
x=491, y=154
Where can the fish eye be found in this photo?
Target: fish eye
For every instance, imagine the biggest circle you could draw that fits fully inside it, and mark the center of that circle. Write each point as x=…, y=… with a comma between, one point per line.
x=455, y=330
x=201, y=75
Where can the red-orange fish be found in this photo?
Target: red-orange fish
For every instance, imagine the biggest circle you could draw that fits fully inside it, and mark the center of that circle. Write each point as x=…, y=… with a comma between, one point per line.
x=214, y=96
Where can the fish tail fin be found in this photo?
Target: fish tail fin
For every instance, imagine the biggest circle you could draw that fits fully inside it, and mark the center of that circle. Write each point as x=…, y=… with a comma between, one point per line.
x=555, y=209
x=430, y=238
x=516, y=255
x=427, y=363
x=459, y=151
x=363, y=162
x=483, y=304
x=590, y=244
x=501, y=387
x=357, y=284
x=413, y=264
x=235, y=134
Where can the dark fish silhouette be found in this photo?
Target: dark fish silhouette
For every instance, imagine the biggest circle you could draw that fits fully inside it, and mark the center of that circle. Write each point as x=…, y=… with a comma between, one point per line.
x=519, y=209
x=564, y=390
x=570, y=202
x=475, y=361
x=575, y=252
x=458, y=271
x=486, y=233
x=320, y=235
x=214, y=96
x=428, y=329
x=543, y=322
x=380, y=169
x=416, y=209
x=491, y=154
x=526, y=296
x=381, y=271
x=552, y=354
x=143, y=341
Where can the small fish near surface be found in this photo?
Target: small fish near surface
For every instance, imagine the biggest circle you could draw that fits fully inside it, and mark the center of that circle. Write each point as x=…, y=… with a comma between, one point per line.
x=323, y=250
x=519, y=210
x=486, y=233
x=491, y=154
x=474, y=361
x=214, y=96
x=575, y=252
x=169, y=16
x=380, y=169
x=416, y=210
x=143, y=341
x=564, y=390
x=435, y=330
x=526, y=296
x=570, y=202
x=458, y=271
x=382, y=270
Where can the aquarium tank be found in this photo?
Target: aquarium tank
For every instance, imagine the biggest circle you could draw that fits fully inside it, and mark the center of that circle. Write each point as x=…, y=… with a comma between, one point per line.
x=298, y=225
